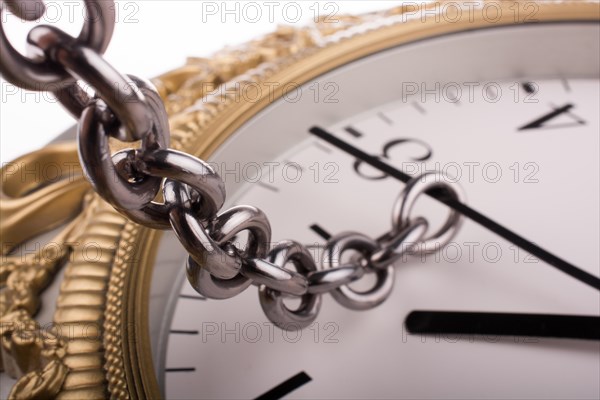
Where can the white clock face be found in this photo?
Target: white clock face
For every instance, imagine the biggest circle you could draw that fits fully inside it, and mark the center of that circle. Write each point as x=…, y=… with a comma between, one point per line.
x=512, y=115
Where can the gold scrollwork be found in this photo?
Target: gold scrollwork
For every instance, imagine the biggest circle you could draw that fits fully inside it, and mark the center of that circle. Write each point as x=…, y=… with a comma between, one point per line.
x=39, y=191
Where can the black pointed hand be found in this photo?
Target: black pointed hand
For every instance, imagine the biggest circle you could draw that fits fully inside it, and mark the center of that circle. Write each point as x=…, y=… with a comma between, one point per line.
x=465, y=210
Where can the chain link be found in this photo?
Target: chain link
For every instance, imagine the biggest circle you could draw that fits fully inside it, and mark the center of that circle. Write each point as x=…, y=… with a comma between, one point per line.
x=45, y=73
x=194, y=194
x=272, y=300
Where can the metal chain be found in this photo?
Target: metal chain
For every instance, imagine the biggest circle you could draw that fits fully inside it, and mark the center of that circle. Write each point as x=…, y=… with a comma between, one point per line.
x=194, y=194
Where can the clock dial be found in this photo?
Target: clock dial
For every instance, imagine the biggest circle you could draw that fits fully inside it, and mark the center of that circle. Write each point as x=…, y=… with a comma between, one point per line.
x=509, y=113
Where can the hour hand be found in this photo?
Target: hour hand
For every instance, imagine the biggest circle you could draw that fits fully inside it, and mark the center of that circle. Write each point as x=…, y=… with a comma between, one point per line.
x=504, y=324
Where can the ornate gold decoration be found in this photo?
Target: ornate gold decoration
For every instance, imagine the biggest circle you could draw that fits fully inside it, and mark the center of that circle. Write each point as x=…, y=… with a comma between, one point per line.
x=81, y=305
x=65, y=360
x=29, y=191
x=98, y=346
x=115, y=366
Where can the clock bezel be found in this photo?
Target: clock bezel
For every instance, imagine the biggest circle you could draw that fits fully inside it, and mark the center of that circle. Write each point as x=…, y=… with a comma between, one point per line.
x=304, y=66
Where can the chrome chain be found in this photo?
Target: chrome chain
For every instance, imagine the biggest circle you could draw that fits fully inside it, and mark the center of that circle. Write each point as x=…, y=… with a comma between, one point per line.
x=129, y=109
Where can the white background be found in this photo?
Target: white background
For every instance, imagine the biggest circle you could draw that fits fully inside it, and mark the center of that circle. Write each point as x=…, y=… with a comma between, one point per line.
x=151, y=37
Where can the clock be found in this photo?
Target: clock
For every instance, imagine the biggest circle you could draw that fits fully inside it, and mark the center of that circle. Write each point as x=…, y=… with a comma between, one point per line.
x=317, y=127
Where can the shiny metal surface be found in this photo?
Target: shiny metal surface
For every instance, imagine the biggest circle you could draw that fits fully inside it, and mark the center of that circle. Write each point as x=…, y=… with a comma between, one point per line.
x=329, y=279
x=220, y=262
x=223, y=263
x=272, y=301
x=194, y=173
x=213, y=269
x=107, y=174
x=28, y=10
x=130, y=109
x=121, y=95
x=346, y=296
x=189, y=170
x=397, y=245
x=101, y=169
x=273, y=274
x=403, y=206
x=212, y=287
x=278, y=278
x=46, y=74
x=125, y=164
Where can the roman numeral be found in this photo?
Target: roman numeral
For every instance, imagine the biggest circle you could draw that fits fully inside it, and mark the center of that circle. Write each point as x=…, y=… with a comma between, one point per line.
x=543, y=121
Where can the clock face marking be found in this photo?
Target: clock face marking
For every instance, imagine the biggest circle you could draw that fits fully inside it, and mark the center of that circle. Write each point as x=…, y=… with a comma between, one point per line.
x=465, y=210
x=320, y=231
x=353, y=131
x=426, y=153
x=530, y=87
x=344, y=346
x=542, y=121
x=385, y=118
x=285, y=388
x=267, y=186
x=185, y=369
x=183, y=332
x=566, y=85
x=192, y=297
x=506, y=324
x=291, y=164
x=322, y=147
x=419, y=107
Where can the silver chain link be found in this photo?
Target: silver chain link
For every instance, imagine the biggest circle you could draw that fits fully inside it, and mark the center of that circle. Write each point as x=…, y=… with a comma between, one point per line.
x=194, y=194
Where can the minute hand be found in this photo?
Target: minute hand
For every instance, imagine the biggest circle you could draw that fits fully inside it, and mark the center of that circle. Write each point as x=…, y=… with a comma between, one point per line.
x=465, y=210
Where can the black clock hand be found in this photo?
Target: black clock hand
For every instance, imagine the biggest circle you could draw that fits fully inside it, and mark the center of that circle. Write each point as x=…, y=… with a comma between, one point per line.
x=465, y=210
x=285, y=388
x=509, y=324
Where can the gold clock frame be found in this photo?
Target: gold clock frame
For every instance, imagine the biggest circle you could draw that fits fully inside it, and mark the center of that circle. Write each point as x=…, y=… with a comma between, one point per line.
x=99, y=344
